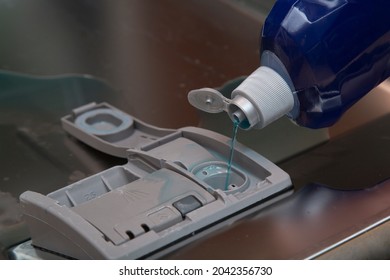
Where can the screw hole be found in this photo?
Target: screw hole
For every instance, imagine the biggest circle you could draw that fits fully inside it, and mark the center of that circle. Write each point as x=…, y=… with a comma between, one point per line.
x=204, y=172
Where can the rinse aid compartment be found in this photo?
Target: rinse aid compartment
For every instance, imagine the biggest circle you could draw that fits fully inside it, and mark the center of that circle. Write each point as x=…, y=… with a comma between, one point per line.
x=171, y=191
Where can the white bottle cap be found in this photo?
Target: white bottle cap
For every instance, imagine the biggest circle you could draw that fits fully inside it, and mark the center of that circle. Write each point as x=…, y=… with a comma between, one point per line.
x=263, y=97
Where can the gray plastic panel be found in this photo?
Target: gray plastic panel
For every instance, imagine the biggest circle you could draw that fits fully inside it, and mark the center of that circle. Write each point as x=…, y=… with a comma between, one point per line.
x=169, y=189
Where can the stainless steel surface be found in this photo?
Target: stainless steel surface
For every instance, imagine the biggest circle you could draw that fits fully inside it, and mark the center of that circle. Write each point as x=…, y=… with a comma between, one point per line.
x=308, y=224
x=372, y=244
x=152, y=52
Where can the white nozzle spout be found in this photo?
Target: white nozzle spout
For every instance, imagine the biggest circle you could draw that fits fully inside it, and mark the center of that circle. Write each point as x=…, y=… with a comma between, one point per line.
x=263, y=97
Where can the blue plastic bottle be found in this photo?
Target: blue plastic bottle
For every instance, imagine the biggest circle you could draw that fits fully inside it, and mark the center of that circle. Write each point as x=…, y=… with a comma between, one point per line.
x=330, y=53
x=335, y=52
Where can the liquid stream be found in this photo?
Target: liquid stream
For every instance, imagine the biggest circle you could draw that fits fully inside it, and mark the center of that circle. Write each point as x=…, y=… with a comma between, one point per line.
x=235, y=129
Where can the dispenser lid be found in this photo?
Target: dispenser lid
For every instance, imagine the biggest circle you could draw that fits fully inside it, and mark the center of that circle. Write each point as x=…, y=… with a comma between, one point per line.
x=208, y=100
x=110, y=130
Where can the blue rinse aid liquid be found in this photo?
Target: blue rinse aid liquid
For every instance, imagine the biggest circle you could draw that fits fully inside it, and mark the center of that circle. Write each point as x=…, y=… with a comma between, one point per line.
x=235, y=129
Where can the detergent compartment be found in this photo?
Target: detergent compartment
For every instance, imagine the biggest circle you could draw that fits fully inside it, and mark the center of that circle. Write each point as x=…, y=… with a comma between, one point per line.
x=171, y=191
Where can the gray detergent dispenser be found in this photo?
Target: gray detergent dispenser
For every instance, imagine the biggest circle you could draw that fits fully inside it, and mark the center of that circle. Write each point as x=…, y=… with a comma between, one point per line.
x=170, y=192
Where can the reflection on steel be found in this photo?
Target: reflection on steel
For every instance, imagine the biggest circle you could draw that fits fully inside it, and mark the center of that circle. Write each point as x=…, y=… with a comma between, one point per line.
x=296, y=227
x=345, y=240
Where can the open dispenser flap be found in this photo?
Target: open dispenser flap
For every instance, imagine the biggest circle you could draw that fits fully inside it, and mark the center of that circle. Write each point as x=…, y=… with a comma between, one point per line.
x=110, y=130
